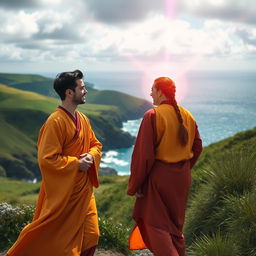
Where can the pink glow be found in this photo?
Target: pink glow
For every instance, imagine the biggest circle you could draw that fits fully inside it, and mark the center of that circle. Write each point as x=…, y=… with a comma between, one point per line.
x=167, y=67
x=170, y=8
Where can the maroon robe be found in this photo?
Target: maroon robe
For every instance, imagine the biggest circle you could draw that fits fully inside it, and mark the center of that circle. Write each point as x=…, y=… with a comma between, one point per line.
x=160, y=213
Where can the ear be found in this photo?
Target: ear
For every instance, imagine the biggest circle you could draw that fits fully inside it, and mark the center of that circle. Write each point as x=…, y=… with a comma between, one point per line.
x=159, y=93
x=69, y=92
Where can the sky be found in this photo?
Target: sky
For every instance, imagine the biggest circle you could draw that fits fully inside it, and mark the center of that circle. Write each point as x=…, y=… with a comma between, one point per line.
x=121, y=35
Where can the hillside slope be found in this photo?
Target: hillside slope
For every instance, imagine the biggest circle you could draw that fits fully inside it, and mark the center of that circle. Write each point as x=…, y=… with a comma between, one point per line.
x=22, y=114
x=129, y=107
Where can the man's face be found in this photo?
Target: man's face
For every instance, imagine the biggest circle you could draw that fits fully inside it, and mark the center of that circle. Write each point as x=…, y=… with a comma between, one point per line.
x=80, y=92
x=155, y=95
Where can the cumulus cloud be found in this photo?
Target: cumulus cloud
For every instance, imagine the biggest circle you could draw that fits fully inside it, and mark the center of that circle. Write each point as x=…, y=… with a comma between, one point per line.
x=119, y=31
x=17, y=26
x=112, y=11
x=229, y=10
x=27, y=4
x=248, y=36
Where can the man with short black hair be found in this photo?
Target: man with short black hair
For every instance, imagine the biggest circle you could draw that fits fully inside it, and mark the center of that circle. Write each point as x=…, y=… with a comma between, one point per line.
x=65, y=221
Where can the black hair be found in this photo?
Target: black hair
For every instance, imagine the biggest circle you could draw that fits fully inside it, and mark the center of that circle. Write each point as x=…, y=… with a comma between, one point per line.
x=66, y=80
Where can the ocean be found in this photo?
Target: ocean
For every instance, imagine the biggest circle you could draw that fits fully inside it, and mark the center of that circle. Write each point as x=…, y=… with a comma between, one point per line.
x=222, y=102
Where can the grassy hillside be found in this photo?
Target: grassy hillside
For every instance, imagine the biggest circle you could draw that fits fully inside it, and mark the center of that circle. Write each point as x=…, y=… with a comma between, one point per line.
x=129, y=107
x=27, y=82
x=22, y=114
x=244, y=140
x=221, y=215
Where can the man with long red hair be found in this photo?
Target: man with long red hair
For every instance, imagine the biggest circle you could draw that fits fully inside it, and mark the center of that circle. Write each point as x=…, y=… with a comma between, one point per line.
x=167, y=147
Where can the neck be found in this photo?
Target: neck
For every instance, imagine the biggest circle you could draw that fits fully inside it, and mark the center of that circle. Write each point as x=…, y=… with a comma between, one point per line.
x=162, y=99
x=69, y=106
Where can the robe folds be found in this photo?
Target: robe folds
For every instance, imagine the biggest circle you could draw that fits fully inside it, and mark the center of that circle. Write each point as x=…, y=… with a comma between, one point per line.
x=161, y=171
x=65, y=222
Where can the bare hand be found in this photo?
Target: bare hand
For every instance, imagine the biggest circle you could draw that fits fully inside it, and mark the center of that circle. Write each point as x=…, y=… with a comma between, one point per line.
x=85, y=162
x=139, y=194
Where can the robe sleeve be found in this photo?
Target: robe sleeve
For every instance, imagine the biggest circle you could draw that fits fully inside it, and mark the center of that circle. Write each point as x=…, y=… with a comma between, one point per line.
x=197, y=148
x=95, y=151
x=58, y=170
x=143, y=155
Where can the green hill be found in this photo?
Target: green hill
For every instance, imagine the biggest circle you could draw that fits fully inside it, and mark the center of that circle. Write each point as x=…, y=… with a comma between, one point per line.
x=129, y=107
x=245, y=140
x=22, y=114
x=27, y=82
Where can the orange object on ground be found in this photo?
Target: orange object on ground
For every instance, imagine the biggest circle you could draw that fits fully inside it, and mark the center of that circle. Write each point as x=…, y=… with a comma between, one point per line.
x=65, y=220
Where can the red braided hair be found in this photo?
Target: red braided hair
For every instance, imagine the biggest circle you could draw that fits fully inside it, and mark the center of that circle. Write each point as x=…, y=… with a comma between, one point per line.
x=168, y=88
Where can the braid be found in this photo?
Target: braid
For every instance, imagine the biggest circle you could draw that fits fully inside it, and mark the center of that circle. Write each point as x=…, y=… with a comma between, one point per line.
x=182, y=133
x=168, y=88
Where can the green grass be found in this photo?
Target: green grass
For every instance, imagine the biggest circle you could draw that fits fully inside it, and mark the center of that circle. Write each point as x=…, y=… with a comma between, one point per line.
x=112, y=196
x=216, y=245
x=18, y=192
x=14, y=142
x=245, y=140
x=233, y=174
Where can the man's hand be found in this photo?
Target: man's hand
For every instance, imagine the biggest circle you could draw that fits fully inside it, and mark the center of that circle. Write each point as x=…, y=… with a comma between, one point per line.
x=139, y=194
x=85, y=162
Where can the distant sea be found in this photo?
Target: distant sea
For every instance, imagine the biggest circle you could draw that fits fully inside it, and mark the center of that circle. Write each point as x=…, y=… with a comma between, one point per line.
x=222, y=102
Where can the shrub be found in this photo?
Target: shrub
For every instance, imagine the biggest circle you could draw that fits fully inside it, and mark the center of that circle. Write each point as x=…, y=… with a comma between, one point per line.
x=113, y=236
x=232, y=175
x=242, y=225
x=217, y=245
x=12, y=221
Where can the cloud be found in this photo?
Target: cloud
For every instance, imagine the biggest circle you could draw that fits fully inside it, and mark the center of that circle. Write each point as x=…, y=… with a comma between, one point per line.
x=27, y=4
x=17, y=4
x=112, y=11
x=110, y=32
x=248, y=36
x=17, y=26
x=227, y=10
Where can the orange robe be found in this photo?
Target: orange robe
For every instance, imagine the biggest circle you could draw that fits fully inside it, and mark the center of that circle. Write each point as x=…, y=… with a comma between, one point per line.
x=161, y=170
x=65, y=221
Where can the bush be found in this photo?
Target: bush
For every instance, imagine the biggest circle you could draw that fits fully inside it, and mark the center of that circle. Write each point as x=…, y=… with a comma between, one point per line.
x=113, y=236
x=216, y=245
x=234, y=173
x=12, y=221
x=242, y=225
x=231, y=176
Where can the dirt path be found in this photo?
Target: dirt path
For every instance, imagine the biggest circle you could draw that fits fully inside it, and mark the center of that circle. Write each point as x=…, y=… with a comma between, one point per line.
x=99, y=252
x=102, y=252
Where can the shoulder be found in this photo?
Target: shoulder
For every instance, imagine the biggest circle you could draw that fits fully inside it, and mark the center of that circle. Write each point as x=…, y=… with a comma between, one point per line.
x=83, y=116
x=151, y=112
x=84, y=119
x=56, y=119
x=186, y=112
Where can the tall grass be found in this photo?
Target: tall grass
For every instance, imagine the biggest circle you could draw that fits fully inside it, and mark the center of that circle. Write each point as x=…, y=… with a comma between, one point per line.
x=214, y=207
x=242, y=225
x=216, y=245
